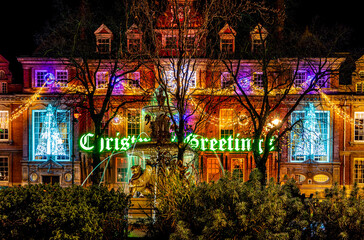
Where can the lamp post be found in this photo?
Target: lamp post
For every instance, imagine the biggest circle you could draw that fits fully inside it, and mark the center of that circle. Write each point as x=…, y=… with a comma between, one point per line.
x=276, y=122
x=76, y=115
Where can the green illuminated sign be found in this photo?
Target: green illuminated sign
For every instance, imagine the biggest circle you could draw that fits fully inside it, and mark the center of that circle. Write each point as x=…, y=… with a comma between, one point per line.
x=229, y=144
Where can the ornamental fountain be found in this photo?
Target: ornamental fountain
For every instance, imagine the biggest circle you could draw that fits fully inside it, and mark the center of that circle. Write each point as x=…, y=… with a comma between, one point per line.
x=160, y=151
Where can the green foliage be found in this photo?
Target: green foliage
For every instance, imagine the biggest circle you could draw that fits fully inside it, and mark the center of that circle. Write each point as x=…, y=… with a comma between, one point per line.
x=232, y=209
x=339, y=215
x=53, y=212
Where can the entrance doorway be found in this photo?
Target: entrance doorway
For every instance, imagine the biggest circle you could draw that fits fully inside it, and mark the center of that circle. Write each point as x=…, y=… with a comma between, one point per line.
x=50, y=179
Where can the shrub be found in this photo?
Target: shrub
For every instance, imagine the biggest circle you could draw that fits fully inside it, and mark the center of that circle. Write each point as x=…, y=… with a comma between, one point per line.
x=52, y=212
x=339, y=215
x=230, y=209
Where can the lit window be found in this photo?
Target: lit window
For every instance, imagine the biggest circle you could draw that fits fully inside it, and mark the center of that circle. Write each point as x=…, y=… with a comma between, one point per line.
x=133, y=124
x=51, y=134
x=134, y=79
x=258, y=80
x=226, y=123
x=227, y=40
x=227, y=46
x=4, y=125
x=122, y=170
x=62, y=77
x=40, y=78
x=323, y=82
x=171, y=43
x=310, y=136
x=359, y=170
x=4, y=87
x=213, y=169
x=257, y=44
x=2, y=74
x=300, y=78
x=226, y=80
x=237, y=167
x=361, y=74
x=360, y=87
x=103, y=45
x=4, y=169
x=102, y=79
x=134, y=45
x=359, y=126
x=190, y=43
x=186, y=77
x=258, y=36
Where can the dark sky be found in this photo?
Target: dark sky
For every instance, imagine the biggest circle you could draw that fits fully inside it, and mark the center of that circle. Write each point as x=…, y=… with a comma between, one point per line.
x=21, y=19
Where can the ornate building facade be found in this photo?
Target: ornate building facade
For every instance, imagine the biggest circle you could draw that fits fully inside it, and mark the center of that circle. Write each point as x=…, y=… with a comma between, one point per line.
x=41, y=135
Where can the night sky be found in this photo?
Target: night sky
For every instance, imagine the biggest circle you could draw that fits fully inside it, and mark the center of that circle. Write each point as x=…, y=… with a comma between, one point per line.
x=21, y=19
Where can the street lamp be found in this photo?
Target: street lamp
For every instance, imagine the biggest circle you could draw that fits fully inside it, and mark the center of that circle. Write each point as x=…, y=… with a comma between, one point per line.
x=76, y=115
x=276, y=122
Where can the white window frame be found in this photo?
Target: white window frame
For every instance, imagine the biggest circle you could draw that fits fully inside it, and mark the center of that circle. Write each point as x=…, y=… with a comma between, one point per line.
x=224, y=122
x=261, y=82
x=298, y=80
x=59, y=77
x=36, y=77
x=4, y=125
x=359, y=135
x=227, y=80
x=132, y=126
x=171, y=81
x=358, y=170
x=4, y=169
x=102, y=83
x=106, y=42
x=359, y=86
x=328, y=146
x=69, y=133
x=121, y=163
x=242, y=168
x=134, y=80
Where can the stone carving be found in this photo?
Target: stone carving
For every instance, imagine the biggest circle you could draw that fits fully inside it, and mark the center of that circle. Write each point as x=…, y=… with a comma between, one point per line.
x=141, y=181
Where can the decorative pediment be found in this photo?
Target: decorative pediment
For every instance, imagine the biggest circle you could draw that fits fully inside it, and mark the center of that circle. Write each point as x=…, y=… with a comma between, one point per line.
x=3, y=61
x=227, y=30
x=104, y=31
x=50, y=164
x=134, y=30
x=259, y=32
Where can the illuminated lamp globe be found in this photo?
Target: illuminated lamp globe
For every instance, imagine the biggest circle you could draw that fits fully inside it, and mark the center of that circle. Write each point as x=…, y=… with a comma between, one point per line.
x=276, y=121
x=49, y=78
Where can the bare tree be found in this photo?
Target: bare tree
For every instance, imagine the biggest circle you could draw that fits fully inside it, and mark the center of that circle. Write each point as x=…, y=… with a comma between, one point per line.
x=268, y=75
x=101, y=82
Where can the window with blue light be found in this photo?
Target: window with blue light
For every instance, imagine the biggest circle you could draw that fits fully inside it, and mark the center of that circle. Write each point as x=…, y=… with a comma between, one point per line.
x=310, y=135
x=51, y=136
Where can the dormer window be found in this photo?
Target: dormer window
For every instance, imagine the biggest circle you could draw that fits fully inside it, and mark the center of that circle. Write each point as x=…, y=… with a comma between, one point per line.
x=227, y=40
x=103, y=39
x=134, y=39
x=258, y=36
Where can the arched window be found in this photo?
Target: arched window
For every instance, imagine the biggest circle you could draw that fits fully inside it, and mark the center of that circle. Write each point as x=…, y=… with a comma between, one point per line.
x=2, y=74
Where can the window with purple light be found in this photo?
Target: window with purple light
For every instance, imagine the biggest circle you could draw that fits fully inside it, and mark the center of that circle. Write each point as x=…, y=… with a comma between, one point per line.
x=300, y=78
x=62, y=78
